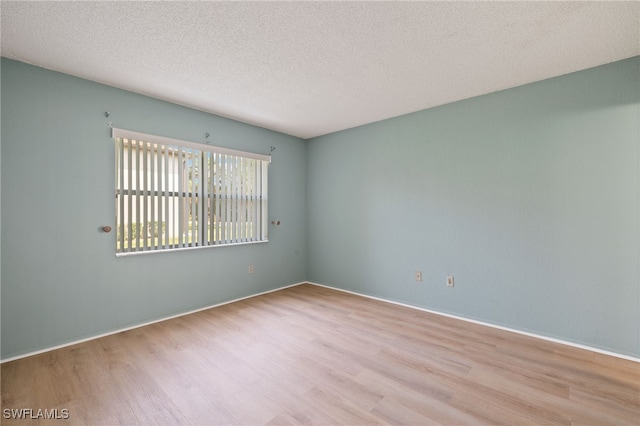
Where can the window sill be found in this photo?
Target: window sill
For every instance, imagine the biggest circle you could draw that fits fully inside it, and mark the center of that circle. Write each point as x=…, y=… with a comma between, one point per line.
x=173, y=250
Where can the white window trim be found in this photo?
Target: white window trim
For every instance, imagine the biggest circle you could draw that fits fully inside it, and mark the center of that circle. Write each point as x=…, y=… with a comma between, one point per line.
x=161, y=140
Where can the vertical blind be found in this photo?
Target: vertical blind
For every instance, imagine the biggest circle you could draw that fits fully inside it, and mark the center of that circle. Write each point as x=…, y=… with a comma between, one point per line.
x=173, y=194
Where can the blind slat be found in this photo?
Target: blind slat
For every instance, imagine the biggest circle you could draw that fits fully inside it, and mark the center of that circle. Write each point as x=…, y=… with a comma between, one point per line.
x=243, y=195
x=204, y=182
x=166, y=225
x=195, y=217
x=154, y=189
x=228, y=198
x=120, y=218
x=138, y=188
x=129, y=198
x=180, y=189
x=160, y=199
x=145, y=200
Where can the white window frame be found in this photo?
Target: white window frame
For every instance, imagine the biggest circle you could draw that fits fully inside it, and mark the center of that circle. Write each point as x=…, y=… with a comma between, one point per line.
x=158, y=191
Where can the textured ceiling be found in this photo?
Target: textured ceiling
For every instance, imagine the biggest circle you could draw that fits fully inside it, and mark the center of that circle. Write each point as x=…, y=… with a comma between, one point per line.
x=311, y=68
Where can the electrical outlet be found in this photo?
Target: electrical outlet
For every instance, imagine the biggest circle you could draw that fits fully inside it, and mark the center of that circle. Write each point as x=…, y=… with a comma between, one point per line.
x=251, y=269
x=450, y=281
x=418, y=275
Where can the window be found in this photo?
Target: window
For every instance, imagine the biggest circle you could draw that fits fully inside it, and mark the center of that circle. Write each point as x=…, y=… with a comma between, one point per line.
x=173, y=194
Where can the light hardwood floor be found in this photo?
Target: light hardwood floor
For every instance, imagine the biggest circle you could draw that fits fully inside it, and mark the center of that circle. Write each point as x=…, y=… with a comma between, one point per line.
x=311, y=355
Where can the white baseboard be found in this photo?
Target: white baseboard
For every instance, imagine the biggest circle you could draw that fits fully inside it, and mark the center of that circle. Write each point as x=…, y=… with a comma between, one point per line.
x=120, y=330
x=512, y=330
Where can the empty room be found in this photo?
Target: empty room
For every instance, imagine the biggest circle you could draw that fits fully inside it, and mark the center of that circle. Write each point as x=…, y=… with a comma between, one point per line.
x=320, y=213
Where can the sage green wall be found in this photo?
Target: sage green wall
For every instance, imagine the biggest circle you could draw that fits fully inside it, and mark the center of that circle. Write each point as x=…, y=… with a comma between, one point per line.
x=61, y=280
x=528, y=196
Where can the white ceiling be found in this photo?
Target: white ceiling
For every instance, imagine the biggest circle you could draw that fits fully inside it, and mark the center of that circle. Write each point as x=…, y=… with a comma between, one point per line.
x=311, y=68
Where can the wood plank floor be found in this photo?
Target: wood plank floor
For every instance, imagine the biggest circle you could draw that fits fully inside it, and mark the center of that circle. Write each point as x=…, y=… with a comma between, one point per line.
x=311, y=355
